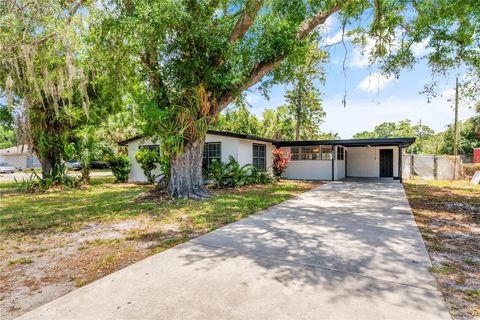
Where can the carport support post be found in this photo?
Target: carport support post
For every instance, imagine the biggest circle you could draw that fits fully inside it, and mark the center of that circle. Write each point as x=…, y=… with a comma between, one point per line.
x=333, y=161
x=400, y=173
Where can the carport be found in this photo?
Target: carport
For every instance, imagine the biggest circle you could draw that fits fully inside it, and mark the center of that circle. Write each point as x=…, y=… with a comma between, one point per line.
x=339, y=159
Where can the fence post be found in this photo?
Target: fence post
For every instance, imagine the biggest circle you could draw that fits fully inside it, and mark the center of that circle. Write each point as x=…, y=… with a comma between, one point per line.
x=412, y=167
x=435, y=167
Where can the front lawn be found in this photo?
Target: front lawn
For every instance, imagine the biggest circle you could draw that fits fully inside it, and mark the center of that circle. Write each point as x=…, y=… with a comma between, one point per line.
x=448, y=215
x=53, y=242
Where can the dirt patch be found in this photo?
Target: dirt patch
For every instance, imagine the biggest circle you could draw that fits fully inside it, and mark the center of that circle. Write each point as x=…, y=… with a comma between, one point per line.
x=48, y=266
x=448, y=215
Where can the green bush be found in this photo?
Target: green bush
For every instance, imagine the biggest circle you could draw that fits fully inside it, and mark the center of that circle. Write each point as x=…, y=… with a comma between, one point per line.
x=148, y=160
x=260, y=177
x=120, y=166
x=231, y=174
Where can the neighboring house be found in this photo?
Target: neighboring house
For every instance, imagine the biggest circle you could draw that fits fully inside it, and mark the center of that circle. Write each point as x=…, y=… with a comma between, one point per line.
x=311, y=160
x=20, y=157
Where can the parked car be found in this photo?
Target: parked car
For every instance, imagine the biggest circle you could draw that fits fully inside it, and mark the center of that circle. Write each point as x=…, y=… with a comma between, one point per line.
x=73, y=165
x=6, y=168
x=98, y=165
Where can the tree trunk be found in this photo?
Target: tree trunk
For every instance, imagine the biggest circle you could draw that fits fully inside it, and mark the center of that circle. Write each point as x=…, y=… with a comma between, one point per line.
x=298, y=115
x=186, y=180
x=50, y=166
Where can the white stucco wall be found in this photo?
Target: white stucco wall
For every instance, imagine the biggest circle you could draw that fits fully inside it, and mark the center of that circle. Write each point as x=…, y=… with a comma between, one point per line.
x=364, y=162
x=240, y=149
x=339, y=169
x=136, y=172
x=308, y=169
x=19, y=161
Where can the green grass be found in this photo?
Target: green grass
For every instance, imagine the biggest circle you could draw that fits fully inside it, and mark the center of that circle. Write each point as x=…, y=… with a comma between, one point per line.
x=23, y=260
x=57, y=211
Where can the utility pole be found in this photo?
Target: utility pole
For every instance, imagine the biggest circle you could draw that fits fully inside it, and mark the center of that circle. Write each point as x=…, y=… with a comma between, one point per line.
x=455, y=138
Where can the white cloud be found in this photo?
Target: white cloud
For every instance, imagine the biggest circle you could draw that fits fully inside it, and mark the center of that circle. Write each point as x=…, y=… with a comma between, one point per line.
x=420, y=49
x=333, y=39
x=364, y=114
x=374, y=82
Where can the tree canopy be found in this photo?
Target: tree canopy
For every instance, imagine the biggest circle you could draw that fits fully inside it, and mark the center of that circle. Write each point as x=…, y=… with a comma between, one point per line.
x=184, y=61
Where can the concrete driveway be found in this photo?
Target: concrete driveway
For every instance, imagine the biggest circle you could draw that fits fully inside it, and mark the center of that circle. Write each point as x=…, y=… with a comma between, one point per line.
x=346, y=250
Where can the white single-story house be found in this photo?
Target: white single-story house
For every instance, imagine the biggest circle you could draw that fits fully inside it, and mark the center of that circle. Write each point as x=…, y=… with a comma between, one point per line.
x=19, y=157
x=309, y=160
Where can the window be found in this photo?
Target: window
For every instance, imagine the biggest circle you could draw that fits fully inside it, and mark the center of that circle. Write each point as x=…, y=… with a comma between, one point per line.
x=151, y=147
x=212, y=151
x=327, y=153
x=310, y=153
x=295, y=153
x=340, y=153
x=259, y=156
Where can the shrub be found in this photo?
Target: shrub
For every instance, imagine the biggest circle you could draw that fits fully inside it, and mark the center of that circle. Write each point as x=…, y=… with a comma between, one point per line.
x=218, y=172
x=34, y=183
x=260, y=177
x=120, y=165
x=280, y=162
x=148, y=160
x=231, y=174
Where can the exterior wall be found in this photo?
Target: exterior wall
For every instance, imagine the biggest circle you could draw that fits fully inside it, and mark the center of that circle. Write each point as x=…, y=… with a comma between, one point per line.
x=136, y=172
x=19, y=161
x=240, y=149
x=308, y=169
x=364, y=162
x=339, y=169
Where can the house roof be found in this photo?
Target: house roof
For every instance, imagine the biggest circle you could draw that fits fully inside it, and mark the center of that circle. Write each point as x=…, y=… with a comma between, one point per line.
x=15, y=150
x=402, y=142
x=214, y=132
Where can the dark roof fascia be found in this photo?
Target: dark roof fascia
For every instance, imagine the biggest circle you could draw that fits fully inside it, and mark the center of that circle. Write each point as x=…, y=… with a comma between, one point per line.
x=214, y=132
x=127, y=141
x=402, y=142
x=241, y=136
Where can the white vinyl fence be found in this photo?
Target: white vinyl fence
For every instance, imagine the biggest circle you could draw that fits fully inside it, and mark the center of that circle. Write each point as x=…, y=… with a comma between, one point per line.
x=431, y=167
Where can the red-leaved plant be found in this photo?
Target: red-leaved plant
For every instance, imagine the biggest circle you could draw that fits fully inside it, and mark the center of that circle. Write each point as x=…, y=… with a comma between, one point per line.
x=280, y=162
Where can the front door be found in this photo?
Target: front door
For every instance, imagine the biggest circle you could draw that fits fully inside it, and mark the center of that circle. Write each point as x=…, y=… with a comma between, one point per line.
x=386, y=163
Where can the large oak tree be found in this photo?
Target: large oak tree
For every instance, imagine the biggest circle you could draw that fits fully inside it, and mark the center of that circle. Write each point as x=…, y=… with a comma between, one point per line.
x=194, y=57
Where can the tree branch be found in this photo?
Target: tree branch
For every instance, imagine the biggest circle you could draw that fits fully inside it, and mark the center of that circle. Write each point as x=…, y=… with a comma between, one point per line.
x=261, y=68
x=308, y=25
x=246, y=20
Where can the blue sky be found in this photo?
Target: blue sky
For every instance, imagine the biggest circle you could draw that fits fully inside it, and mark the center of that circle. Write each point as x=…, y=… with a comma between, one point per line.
x=371, y=97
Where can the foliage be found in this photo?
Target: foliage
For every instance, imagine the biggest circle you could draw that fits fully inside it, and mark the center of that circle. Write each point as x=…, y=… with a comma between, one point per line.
x=303, y=101
x=402, y=129
x=238, y=119
x=48, y=66
x=469, y=137
x=279, y=162
x=120, y=165
x=7, y=137
x=278, y=123
x=231, y=174
x=259, y=177
x=34, y=183
x=86, y=148
x=148, y=160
